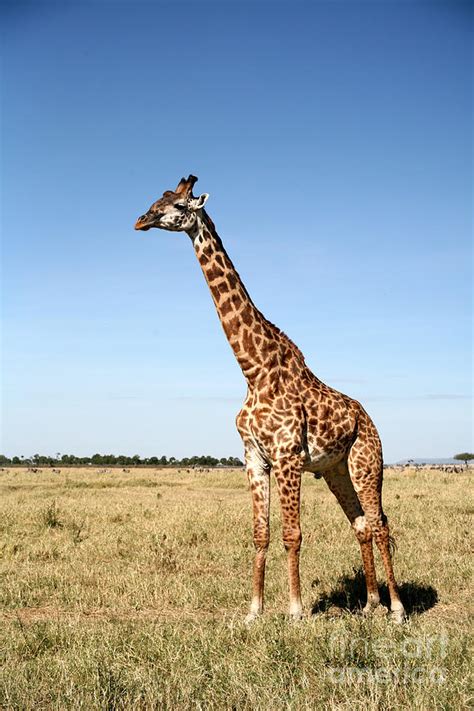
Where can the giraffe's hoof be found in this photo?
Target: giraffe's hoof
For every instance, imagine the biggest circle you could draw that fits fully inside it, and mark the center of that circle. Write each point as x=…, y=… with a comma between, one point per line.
x=296, y=614
x=251, y=617
x=398, y=616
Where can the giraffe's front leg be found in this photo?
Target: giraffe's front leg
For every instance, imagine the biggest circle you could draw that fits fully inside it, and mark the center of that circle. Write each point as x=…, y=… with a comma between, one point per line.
x=259, y=482
x=288, y=475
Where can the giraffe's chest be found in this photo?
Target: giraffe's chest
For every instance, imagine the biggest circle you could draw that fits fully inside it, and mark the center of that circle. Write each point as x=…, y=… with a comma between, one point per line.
x=271, y=426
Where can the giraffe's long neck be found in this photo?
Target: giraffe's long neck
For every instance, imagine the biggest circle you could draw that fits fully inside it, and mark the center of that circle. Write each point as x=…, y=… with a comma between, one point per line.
x=251, y=336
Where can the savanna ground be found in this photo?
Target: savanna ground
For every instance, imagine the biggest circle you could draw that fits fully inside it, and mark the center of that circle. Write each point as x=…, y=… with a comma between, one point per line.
x=128, y=590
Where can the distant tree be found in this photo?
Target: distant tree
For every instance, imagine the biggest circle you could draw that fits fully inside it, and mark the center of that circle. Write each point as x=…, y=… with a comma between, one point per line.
x=68, y=459
x=464, y=457
x=4, y=460
x=207, y=461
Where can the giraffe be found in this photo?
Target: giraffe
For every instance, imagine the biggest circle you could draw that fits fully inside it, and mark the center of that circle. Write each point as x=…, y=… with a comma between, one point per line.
x=291, y=421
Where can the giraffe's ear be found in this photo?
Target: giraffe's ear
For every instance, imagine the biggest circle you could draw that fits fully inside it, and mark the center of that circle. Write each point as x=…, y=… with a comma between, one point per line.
x=198, y=203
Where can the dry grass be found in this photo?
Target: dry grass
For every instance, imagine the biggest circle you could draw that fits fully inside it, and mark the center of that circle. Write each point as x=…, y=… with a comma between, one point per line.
x=128, y=590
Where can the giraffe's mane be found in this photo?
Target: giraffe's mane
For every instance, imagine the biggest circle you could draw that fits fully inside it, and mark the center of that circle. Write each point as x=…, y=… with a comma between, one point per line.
x=211, y=226
x=297, y=352
x=281, y=334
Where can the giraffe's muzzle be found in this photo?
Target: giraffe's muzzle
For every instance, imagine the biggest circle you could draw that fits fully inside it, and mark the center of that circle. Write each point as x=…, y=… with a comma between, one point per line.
x=142, y=224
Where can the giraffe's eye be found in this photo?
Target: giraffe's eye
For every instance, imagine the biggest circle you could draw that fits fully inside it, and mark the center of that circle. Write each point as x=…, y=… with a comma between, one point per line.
x=180, y=205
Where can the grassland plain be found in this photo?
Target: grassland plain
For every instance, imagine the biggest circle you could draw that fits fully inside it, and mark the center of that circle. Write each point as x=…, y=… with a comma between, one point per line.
x=124, y=590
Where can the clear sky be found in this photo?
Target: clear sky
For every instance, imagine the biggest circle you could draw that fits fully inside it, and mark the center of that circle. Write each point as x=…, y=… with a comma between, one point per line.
x=334, y=139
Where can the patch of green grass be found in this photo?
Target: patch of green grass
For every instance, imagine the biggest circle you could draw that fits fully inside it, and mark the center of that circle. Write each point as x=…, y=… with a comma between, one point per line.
x=50, y=516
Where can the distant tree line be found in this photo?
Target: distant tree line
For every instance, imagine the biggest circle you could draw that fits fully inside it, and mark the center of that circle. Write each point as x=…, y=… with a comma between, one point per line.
x=70, y=460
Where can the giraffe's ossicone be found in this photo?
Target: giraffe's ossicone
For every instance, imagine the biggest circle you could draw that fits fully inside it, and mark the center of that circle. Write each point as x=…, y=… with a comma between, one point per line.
x=290, y=421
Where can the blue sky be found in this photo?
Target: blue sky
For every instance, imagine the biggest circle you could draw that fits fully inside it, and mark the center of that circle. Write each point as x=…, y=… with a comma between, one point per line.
x=334, y=139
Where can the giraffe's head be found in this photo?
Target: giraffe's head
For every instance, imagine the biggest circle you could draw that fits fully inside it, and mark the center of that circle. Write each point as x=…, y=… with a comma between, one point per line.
x=176, y=210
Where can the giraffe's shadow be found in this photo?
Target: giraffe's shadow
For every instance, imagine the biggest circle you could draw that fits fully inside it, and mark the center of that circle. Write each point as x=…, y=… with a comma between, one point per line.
x=349, y=594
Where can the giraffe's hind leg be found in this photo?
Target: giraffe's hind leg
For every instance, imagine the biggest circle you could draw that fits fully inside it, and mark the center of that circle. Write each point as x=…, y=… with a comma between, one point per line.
x=340, y=484
x=366, y=472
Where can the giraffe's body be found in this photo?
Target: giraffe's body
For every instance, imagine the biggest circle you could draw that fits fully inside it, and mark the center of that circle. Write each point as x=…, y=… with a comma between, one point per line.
x=291, y=421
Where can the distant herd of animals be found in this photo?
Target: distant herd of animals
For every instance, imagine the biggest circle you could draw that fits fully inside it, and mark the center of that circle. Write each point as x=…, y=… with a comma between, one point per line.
x=447, y=468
